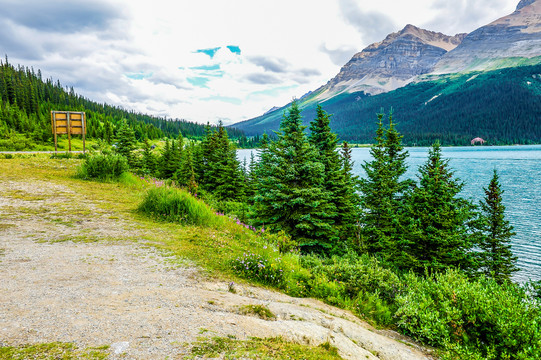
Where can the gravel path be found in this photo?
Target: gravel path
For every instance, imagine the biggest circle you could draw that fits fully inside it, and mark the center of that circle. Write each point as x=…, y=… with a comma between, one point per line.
x=66, y=277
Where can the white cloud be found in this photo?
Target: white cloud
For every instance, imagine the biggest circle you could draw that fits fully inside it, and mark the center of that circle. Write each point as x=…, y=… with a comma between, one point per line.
x=142, y=55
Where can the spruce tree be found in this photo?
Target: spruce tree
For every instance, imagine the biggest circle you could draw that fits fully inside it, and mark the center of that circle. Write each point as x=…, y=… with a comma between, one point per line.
x=185, y=175
x=438, y=234
x=291, y=194
x=126, y=143
x=382, y=193
x=149, y=160
x=337, y=181
x=497, y=258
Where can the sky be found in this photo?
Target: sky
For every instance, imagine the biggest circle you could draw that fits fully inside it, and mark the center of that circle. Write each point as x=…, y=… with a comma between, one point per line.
x=212, y=60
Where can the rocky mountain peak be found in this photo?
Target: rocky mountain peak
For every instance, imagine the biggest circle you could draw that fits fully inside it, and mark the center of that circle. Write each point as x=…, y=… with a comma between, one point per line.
x=524, y=3
x=393, y=62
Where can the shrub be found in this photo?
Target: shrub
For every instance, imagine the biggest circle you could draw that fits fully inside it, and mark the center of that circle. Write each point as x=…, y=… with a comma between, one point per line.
x=177, y=205
x=259, y=267
x=461, y=315
x=103, y=167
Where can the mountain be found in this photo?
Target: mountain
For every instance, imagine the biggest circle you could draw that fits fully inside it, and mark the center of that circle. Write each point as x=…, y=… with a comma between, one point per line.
x=391, y=63
x=453, y=88
x=513, y=40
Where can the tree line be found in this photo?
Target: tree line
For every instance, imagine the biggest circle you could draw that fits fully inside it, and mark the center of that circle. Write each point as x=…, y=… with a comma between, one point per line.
x=303, y=185
x=26, y=100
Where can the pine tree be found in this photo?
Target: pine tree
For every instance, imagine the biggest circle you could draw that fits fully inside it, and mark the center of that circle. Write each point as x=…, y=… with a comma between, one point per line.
x=336, y=181
x=497, y=258
x=438, y=235
x=291, y=195
x=149, y=160
x=126, y=144
x=382, y=193
x=185, y=175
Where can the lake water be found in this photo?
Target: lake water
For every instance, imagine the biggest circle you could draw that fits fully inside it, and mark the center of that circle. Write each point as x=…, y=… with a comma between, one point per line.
x=519, y=169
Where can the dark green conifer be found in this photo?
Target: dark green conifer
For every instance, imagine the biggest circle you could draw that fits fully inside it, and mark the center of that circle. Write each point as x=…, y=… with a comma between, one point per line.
x=149, y=160
x=382, y=192
x=291, y=194
x=497, y=258
x=438, y=235
x=126, y=143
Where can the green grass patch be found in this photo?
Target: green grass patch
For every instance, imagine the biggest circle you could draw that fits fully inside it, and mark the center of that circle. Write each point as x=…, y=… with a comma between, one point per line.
x=176, y=205
x=261, y=311
x=105, y=167
x=265, y=349
x=55, y=350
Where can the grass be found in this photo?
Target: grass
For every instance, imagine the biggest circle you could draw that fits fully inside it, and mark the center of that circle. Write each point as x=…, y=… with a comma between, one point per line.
x=265, y=349
x=55, y=350
x=260, y=311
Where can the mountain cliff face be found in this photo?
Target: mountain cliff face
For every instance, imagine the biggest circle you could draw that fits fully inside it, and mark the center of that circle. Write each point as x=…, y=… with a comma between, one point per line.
x=392, y=63
x=512, y=40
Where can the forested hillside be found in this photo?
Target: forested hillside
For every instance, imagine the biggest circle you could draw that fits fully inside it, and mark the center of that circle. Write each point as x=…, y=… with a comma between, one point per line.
x=27, y=99
x=502, y=107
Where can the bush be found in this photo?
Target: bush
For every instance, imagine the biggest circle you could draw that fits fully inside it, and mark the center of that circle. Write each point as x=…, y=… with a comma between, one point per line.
x=259, y=267
x=177, y=205
x=465, y=316
x=103, y=167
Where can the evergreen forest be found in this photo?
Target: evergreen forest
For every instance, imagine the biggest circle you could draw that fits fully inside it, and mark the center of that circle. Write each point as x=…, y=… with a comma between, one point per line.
x=27, y=100
x=502, y=106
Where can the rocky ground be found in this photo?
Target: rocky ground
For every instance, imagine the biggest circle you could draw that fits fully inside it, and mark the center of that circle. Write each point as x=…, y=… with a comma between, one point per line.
x=66, y=276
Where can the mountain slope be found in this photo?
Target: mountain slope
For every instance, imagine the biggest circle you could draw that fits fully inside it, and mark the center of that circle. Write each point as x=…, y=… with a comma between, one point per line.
x=418, y=73
x=512, y=40
x=501, y=106
x=391, y=63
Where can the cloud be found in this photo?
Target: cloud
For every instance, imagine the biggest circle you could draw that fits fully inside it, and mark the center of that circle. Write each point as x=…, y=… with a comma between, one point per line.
x=466, y=15
x=339, y=56
x=60, y=16
x=373, y=26
x=270, y=64
x=262, y=79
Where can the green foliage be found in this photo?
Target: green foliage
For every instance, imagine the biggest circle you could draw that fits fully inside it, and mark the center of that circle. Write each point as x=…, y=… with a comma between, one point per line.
x=490, y=320
x=383, y=193
x=259, y=267
x=177, y=205
x=290, y=193
x=438, y=231
x=56, y=350
x=337, y=179
x=495, y=232
x=263, y=349
x=454, y=108
x=260, y=311
x=103, y=167
x=26, y=100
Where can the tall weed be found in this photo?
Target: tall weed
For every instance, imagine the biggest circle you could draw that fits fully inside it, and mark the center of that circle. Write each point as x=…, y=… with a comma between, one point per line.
x=177, y=205
x=103, y=167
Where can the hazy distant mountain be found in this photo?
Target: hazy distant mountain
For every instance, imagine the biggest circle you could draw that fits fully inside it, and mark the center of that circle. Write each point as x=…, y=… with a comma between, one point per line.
x=416, y=70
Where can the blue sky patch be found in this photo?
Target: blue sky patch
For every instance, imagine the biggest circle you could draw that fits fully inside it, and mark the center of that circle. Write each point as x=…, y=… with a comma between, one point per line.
x=139, y=75
x=206, y=67
x=198, y=81
x=210, y=52
x=234, y=49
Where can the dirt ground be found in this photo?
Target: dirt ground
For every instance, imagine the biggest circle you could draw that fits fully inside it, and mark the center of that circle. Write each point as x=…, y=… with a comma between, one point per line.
x=64, y=278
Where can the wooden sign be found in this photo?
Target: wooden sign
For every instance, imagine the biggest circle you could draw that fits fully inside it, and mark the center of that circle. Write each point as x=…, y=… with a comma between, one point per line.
x=68, y=122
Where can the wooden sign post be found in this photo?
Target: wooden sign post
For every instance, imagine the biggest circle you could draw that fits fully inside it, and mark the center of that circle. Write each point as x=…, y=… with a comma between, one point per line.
x=68, y=122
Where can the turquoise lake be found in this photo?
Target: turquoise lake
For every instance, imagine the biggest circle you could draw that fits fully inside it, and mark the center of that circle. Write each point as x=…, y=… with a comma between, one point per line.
x=519, y=168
